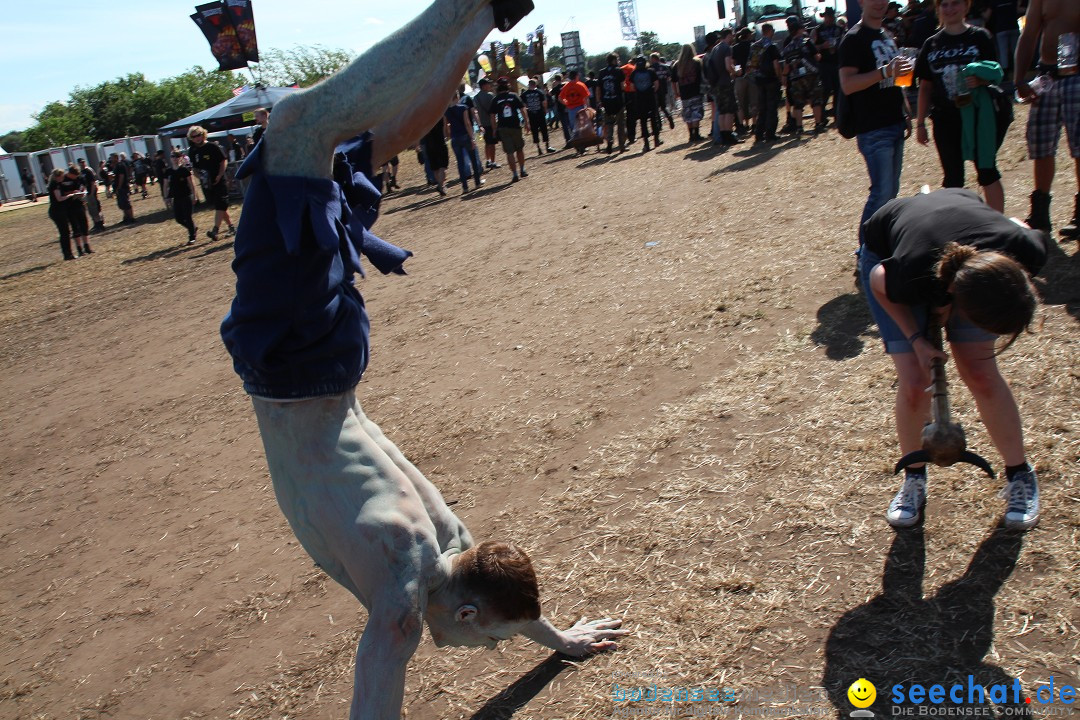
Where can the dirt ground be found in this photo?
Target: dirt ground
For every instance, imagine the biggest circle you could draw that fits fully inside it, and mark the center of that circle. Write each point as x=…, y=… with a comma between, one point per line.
x=651, y=371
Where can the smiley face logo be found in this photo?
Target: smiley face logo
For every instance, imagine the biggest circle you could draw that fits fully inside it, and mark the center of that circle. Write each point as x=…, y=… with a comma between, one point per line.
x=862, y=693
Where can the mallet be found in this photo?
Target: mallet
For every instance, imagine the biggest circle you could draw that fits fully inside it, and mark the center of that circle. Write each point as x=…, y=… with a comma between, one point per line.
x=943, y=441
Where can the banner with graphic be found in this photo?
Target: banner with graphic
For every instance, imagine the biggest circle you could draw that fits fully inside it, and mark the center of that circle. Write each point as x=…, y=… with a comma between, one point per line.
x=217, y=26
x=628, y=19
x=243, y=19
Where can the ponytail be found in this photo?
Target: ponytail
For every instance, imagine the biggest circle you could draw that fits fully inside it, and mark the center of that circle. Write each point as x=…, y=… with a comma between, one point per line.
x=990, y=288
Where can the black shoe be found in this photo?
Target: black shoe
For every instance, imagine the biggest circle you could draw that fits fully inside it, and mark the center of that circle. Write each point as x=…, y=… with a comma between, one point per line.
x=231, y=231
x=1072, y=230
x=79, y=251
x=514, y=179
x=1040, y=211
x=212, y=234
x=87, y=250
x=524, y=172
x=646, y=148
x=69, y=257
x=659, y=142
x=191, y=240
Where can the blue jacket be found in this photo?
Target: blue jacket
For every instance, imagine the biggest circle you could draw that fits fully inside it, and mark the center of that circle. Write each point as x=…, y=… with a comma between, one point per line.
x=297, y=326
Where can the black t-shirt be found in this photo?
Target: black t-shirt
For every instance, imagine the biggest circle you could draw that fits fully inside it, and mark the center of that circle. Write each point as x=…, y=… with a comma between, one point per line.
x=740, y=53
x=881, y=104
x=799, y=55
x=178, y=183
x=910, y=234
x=534, y=100
x=611, y=92
x=505, y=109
x=555, y=90
x=87, y=179
x=716, y=62
x=120, y=177
x=942, y=58
x=663, y=73
x=206, y=160
x=51, y=188
x=827, y=40
x=642, y=79
x=762, y=59
x=483, y=107
x=692, y=87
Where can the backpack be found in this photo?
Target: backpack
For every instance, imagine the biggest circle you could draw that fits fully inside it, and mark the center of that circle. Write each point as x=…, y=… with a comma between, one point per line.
x=845, y=121
x=754, y=62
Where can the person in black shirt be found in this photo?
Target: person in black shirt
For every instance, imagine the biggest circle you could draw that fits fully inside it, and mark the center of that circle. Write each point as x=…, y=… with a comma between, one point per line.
x=262, y=119
x=745, y=89
x=765, y=66
x=663, y=75
x=536, y=104
x=509, y=112
x=66, y=210
x=121, y=188
x=88, y=180
x=612, y=100
x=826, y=38
x=1003, y=23
x=561, y=115
x=210, y=163
x=645, y=82
x=946, y=257
x=688, y=75
x=942, y=91
x=801, y=73
x=869, y=65
x=180, y=189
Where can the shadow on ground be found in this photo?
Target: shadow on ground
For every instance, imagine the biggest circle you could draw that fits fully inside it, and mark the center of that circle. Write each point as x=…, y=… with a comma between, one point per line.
x=843, y=323
x=900, y=637
x=1059, y=281
x=509, y=701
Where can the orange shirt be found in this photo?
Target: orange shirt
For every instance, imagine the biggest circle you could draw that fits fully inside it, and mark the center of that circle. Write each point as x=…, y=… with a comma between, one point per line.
x=574, y=94
x=628, y=68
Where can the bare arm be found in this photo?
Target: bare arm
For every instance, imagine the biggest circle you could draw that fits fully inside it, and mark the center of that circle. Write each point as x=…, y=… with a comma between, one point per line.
x=1025, y=47
x=926, y=88
x=390, y=638
x=309, y=124
x=904, y=319
x=853, y=81
x=584, y=638
x=416, y=116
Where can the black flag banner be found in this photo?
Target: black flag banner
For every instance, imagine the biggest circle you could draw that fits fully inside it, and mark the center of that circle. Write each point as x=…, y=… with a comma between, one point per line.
x=243, y=19
x=217, y=26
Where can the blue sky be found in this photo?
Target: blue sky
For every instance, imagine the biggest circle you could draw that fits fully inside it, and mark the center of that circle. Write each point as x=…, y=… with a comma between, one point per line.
x=49, y=49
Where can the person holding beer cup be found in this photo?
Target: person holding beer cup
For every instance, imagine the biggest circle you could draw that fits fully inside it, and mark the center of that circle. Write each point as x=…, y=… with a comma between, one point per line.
x=954, y=66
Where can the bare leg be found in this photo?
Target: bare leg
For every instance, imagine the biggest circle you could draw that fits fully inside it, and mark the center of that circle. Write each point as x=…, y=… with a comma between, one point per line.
x=1044, y=173
x=308, y=125
x=912, y=401
x=977, y=367
x=995, y=196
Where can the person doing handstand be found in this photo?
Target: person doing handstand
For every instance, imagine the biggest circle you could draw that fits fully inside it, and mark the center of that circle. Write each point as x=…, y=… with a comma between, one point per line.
x=949, y=255
x=298, y=335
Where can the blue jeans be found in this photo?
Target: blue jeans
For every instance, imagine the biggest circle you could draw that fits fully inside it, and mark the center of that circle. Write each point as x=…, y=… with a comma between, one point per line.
x=464, y=155
x=883, y=150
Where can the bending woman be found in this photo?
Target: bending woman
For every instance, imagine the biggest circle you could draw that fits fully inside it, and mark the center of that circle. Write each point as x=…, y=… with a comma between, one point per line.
x=948, y=254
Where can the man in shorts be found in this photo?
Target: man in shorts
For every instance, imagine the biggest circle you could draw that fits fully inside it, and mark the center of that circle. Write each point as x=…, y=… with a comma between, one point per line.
x=720, y=64
x=509, y=114
x=483, y=100
x=801, y=73
x=297, y=331
x=210, y=162
x=1056, y=106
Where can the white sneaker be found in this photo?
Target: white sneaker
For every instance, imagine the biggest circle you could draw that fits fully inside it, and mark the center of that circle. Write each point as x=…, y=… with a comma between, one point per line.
x=1022, y=496
x=906, y=508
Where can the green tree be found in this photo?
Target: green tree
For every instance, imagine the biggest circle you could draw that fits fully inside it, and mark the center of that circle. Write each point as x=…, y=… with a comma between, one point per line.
x=647, y=41
x=303, y=65
x=554, y=57
x=13, y=141
x=57, y=124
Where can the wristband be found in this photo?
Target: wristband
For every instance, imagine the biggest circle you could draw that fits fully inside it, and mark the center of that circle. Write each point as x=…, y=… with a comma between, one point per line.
x=882, y=69
x=915, y=336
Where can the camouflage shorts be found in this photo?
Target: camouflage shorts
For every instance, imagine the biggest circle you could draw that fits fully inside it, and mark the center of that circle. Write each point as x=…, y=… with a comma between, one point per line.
x=803, y=91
